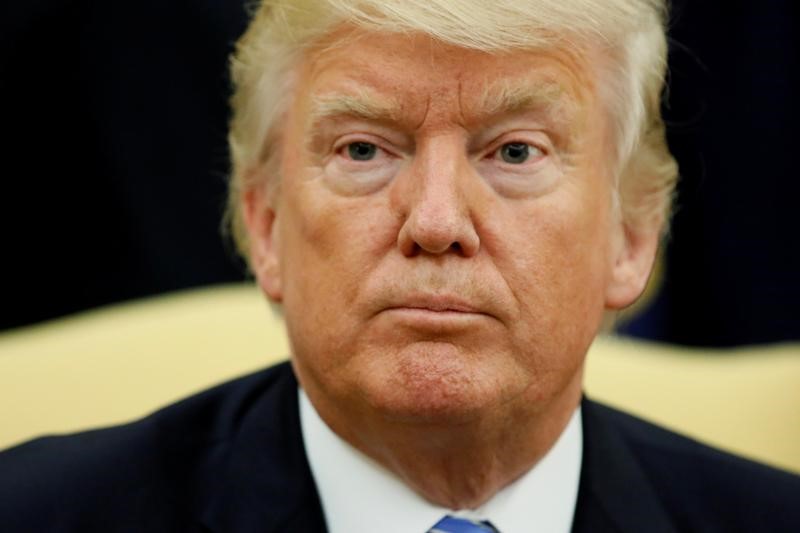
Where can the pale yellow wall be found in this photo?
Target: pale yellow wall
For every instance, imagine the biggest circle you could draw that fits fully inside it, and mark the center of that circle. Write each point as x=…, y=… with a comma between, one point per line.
x=119, y=363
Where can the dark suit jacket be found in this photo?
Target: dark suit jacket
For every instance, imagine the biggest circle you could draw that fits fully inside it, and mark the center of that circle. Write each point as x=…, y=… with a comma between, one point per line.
x=231, y=460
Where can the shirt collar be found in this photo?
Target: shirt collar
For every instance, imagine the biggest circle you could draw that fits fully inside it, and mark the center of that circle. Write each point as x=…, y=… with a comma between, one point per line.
x=359, y=494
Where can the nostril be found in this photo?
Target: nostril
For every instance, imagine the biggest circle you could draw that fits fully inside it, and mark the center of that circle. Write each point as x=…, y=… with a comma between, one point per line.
x=414, y=250
x=425, y=230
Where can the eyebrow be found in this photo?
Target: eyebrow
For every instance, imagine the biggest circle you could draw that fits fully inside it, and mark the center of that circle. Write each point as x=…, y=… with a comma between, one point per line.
x=505, y=97
x=360, y=106
x=497, y=99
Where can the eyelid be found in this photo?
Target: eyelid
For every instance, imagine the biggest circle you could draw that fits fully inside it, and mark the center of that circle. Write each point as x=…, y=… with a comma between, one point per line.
x=518, y=137
x=352, y=129
x=345, y=140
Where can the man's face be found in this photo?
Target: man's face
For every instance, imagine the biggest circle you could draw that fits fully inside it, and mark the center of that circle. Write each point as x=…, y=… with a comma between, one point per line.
x=443, y=240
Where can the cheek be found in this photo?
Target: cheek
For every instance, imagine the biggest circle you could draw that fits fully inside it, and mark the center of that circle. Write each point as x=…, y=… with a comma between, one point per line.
x=330, y=245
x=556, y=267
x=335, y=234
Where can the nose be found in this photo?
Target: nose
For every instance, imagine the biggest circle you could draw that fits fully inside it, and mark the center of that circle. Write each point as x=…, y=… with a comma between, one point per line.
x=435, y=203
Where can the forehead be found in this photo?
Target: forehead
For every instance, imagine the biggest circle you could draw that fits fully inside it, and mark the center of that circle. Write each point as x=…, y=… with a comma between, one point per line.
x=405, y=74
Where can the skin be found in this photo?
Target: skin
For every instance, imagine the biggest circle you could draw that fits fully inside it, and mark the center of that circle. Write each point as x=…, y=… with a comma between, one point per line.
x=440, y=299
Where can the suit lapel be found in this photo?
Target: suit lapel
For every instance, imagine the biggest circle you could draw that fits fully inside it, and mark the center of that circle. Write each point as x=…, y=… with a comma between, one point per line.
x=266, y=485
x=614, y=495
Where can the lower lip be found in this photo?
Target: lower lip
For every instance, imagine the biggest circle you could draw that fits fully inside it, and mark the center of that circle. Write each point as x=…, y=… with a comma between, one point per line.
x=421, y=317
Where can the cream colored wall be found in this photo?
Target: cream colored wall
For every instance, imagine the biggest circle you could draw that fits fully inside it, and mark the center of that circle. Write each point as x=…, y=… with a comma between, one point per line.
x=114, y=364
x=745, y=400
x=119, y=363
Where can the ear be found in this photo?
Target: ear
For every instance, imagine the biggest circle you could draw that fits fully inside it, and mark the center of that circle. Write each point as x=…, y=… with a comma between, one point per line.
x=633, y=254
x=261, y=221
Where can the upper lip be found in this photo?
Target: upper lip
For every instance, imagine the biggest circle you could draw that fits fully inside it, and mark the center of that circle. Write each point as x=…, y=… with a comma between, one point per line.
x=439, y=303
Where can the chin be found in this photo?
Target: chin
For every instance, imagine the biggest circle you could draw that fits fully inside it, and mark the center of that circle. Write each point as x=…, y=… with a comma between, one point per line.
x=435, y=383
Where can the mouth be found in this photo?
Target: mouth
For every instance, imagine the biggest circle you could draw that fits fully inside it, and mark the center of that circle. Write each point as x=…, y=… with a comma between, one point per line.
x=435, y=311
x=437, y=304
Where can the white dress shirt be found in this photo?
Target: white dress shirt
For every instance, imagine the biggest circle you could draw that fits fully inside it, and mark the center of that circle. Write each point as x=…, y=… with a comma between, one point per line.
x=360, y=495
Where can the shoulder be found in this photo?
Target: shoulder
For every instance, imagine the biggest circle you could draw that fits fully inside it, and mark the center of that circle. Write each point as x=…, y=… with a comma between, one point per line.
x=154, y=469
x=699, y=486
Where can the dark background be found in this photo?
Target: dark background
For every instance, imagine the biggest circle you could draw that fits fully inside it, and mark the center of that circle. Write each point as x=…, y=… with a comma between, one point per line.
x=113, y=118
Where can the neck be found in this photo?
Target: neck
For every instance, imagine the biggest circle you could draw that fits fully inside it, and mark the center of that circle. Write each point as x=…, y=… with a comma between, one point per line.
x=461, y=466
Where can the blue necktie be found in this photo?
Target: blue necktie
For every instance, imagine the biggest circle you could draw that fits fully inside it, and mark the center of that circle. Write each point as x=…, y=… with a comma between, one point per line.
x=451, y=524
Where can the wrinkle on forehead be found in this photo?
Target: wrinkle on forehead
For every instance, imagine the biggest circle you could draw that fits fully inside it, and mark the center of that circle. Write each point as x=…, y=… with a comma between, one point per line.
x=445, y=84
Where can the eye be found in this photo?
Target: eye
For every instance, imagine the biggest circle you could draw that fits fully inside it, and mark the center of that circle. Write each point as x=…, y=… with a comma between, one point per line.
x=516, y=153
x=362, y=151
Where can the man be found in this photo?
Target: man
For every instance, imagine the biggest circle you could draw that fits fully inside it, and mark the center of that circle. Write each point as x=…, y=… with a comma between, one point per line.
x=446, y=199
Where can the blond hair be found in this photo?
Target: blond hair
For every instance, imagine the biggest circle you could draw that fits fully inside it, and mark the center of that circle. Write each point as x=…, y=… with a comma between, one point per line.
x=631, y=31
